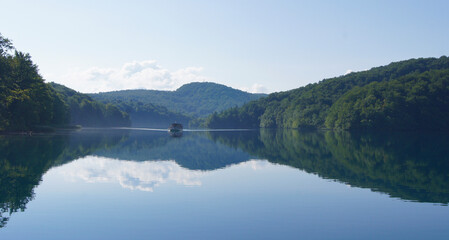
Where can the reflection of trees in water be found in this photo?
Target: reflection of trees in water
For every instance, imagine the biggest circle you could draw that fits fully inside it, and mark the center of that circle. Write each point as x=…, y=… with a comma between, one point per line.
x=194, y=150
x=411, y=166
x=24, y=160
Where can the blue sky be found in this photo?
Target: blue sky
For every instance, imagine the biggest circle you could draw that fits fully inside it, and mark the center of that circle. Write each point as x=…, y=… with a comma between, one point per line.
x=258, y=46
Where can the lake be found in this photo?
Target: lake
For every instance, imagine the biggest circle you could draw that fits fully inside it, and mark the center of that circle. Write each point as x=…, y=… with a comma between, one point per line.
x=261, y=184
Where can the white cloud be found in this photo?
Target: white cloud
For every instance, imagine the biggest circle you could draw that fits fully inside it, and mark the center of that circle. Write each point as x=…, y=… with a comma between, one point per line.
x=134, y=75
x=348, y=71
x=255, y=88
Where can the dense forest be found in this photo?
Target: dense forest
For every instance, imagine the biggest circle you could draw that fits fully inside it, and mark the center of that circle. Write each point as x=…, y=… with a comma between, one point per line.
x=406, y=95
x=194, y=99
x=150, y=115
x=85, y=111
x=147, y=114
x=409, y=94
x=414, y=101
x=27, y=103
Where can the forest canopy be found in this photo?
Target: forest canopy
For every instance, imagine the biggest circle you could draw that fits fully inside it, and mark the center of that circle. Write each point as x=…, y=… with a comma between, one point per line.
x=27, y=103
x=196, y=99
x=85, y=111
x=410, y=95
x=405, y=95
x=414, y=101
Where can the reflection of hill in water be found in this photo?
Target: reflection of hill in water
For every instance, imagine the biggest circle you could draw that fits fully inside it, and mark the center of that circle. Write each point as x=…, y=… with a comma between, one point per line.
x=194, y=150
x=24, y=160
x=410, y=166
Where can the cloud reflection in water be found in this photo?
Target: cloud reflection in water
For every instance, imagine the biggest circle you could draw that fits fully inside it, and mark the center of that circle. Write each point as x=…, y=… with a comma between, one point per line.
x=144, y=176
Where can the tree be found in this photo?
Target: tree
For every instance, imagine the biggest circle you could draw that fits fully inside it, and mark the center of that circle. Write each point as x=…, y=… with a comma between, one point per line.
x=26, y=102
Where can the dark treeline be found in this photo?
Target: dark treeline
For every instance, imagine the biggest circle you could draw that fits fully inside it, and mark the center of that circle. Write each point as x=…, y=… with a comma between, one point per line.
x=28, y=103
x=147, y=114
x=406, y=95
x=410, y=94
x=415, y=101
x=85, y=111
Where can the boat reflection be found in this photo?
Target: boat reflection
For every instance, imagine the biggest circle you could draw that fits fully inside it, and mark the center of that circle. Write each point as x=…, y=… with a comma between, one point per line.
x=175, y=130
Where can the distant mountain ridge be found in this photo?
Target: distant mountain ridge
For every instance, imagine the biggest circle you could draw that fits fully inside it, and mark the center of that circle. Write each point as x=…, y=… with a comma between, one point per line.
x=196, y=99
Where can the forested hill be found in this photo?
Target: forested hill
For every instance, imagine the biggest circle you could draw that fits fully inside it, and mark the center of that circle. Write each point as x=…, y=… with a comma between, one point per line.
x=194, y=99
x=411, y=94
x=27, y=103
x=149, y=115
x=85, y=111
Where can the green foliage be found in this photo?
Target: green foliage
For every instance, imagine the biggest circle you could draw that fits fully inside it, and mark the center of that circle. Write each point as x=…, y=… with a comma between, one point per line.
x=87, y=112
x=415, y=101
x=309, y=106
x=26, y=102
x=246, y=116
x=148, y=115
x=193, y=99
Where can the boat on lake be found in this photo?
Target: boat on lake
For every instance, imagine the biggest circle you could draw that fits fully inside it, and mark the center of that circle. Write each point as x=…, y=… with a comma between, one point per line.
x=175, y=129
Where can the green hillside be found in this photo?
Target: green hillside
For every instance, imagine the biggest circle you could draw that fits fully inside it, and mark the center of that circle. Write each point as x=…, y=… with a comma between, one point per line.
x=193, y=99
x=354, y=101
x=415, y=101
x=149, y=115
x=85, y=111
x=26, y=102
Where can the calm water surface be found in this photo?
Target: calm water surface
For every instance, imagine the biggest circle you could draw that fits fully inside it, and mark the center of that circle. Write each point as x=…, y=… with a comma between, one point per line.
x=138, y=184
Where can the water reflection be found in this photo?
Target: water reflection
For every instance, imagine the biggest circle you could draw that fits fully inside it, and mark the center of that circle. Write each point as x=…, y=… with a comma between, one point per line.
x=143, y=176
x=409, y=166
x=195, y=150
x=25, y=159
